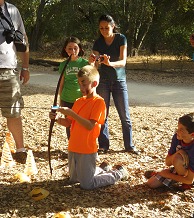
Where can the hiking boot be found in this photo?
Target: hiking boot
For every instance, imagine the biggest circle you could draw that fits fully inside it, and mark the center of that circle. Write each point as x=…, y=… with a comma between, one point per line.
x=20, y=157
x=105, y=166
x=123, y=171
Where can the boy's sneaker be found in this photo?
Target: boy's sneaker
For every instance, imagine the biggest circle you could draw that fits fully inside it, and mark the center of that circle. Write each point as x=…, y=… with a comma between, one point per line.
x=20, y=157
x=123, y=170
x=105, y=166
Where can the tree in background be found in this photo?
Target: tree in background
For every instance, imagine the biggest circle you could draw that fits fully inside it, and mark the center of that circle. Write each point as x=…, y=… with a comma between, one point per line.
x=171, y=28
x=150, y=24
x=43, y=19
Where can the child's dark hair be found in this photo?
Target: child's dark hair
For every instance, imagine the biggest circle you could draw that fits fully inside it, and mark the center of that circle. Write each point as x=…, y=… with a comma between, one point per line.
x=75, y=40
x=109, y=19
x=188, y=121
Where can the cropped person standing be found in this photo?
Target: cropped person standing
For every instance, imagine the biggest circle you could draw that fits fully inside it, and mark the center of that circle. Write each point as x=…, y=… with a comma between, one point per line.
x=110, y=55
x=11, y=101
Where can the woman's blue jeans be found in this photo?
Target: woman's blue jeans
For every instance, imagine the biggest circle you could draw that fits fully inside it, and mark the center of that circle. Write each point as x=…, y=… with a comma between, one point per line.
x=119, y=92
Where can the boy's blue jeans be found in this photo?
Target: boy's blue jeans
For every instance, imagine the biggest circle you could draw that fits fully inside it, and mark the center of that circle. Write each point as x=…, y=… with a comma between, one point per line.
x=119, y=92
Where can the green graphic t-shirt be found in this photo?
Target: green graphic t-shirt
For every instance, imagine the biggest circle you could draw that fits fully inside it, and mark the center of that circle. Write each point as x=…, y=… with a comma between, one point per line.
x=71, y=90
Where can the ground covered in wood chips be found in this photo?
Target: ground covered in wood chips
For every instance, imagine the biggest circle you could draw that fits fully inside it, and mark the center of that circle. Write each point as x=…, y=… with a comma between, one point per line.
x=153, y=128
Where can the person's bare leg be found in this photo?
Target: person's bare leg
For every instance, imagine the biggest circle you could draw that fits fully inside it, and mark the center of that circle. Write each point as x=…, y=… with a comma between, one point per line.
x=153, y=182
x=179, y=165
x=15, y=127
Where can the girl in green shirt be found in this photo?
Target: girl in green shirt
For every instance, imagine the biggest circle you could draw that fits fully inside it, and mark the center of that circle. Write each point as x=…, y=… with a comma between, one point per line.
x=69, y=89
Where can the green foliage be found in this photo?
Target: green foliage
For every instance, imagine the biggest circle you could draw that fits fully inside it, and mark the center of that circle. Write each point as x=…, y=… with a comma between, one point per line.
x=177, y=42
x=171, y=27
x=148, y=24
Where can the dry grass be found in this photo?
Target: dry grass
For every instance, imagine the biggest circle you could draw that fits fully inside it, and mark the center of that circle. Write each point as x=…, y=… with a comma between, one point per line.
x=154, y=62
x=161, y=63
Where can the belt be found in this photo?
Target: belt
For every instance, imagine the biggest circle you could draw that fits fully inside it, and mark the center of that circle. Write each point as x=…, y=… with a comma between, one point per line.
x=4, y=69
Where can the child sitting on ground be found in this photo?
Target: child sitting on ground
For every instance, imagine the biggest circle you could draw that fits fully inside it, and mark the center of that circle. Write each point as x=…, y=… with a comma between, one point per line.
x=180, y=157
x=85, y=118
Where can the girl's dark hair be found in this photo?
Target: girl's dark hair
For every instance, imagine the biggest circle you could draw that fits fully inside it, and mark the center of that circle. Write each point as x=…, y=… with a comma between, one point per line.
x=188, y=121
x=75, y=40
x=109, y=19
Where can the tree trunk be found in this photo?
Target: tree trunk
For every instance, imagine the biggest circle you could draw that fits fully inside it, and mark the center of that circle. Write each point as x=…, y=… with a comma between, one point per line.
x=36, y=34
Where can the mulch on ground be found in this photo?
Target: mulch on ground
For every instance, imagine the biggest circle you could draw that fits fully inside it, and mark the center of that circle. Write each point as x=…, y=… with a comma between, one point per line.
x=153, y=128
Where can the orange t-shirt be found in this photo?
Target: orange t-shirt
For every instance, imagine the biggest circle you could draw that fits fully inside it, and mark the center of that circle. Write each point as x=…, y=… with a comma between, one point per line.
x=82, y=140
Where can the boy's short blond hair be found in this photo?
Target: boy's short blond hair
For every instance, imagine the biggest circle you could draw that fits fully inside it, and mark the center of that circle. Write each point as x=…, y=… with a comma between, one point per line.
x=90, y=72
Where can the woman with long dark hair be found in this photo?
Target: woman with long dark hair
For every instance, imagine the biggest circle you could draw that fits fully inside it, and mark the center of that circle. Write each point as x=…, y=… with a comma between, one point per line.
x=110, y=56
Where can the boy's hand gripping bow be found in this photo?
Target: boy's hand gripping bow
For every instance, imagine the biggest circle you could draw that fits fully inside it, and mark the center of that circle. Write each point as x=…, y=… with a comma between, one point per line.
x=53, y=121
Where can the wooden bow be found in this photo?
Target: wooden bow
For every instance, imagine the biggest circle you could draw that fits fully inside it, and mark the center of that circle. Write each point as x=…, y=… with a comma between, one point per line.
x=53, y=120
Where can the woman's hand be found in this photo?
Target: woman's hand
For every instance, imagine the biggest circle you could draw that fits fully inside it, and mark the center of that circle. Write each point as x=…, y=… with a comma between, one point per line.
x=92, y=59
x=105, y=59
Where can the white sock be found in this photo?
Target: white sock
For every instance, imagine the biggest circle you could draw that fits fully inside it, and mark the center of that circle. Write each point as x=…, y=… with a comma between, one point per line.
x=20, y=150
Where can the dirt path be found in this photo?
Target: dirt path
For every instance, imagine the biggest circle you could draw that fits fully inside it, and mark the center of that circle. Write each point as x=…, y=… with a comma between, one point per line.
x=142, y=91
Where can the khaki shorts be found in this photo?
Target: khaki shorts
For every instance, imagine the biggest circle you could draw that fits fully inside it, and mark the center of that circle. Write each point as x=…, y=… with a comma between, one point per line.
x=11, y=101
